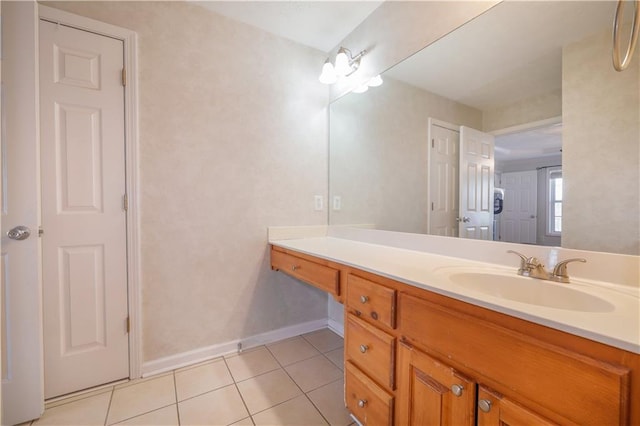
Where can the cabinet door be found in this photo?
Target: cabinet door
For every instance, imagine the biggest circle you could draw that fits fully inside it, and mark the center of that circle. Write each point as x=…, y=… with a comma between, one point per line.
x=432, y=393
x=496, y=410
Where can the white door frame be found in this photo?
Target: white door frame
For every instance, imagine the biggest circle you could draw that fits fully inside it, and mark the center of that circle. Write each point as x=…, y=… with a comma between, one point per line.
x=130, y=41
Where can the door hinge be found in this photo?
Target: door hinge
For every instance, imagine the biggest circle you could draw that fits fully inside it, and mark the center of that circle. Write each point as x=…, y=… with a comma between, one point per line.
x=124, y=77
x=433, y=143
x=125, y=202
x=128, y=324
x=40, y=231
x=432, y=206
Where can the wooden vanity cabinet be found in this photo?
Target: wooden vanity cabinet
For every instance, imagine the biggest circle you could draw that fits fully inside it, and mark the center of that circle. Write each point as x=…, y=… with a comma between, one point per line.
x=551, y=381
x=415, y=357
x=496, y=410
x=431, y=392
x=317, y=272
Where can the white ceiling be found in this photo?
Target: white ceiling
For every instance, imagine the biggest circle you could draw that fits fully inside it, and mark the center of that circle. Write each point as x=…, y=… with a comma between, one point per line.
x=318, y=24
x=535, y=143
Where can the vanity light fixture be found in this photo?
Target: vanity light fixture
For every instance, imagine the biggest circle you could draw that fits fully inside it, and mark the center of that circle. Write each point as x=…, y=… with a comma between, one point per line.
x=373, y=82
x=345, y=65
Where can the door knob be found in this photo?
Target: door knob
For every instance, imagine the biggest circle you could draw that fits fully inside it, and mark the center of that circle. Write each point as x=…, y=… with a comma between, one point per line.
x=19, y=233
x=464, y=219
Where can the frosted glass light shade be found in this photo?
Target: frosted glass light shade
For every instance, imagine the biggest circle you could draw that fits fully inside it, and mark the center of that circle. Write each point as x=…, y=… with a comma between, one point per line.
x=361, y=89
x=375, y=81
x=328, y=75
x=342, y=63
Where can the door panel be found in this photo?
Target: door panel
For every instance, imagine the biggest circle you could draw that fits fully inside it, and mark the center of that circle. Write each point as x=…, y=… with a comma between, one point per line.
x=443, y=187
x=518, y=221
x=432, y=393
x=84, y=222
x=22, y=397
x=476, y=184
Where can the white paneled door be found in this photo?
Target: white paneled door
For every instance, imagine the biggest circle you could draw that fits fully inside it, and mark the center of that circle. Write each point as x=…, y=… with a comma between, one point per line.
x=84, y=263
x=477, y=165
x=443, y=191
x=22, y=397
x=518, y=220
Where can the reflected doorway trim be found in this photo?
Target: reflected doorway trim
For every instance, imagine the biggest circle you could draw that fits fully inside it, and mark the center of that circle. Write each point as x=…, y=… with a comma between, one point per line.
x=130, y=42
x=527, y=126
x=430, y=123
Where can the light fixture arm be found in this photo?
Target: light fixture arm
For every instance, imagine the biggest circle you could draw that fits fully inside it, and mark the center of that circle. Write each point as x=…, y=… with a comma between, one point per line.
x=354, y=61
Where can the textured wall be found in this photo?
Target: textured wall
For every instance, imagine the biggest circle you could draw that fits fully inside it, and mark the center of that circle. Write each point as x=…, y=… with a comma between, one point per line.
x=232, y=139
x=601, y=149
x=378, y=154
x=525, y=111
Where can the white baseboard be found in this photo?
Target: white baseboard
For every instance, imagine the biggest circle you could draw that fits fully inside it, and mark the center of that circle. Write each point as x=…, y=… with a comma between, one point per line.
x=161, y=365
x=336, y=327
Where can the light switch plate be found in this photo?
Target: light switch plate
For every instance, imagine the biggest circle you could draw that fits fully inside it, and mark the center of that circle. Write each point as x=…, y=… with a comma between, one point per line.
x=337, y=202
x=318, y=203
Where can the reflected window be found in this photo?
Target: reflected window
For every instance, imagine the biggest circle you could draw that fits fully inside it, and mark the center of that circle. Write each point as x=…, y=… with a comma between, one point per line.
x=554, y=212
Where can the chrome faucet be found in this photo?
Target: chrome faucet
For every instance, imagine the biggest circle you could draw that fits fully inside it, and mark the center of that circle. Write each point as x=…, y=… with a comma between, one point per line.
x=532, y=267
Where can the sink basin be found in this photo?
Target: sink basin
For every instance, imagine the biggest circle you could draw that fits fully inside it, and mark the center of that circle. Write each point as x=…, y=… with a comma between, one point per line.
x=530, y=291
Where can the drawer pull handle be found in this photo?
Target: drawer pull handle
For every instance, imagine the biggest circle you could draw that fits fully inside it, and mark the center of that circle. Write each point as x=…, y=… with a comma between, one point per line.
x=374, y=315
x=364, y=299
x=484, y=405
x=362, y=403
x=295, y=267
x=364, y=348
x=457, y=389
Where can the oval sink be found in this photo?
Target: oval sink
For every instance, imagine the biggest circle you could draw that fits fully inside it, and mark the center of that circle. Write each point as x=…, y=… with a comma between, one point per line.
x=530, y=291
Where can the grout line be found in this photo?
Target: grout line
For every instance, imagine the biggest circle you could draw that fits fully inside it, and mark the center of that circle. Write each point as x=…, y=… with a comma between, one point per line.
x=301, y=390
x=175, y=394
x=142, y=414
x=106, y=416
x=238, y=390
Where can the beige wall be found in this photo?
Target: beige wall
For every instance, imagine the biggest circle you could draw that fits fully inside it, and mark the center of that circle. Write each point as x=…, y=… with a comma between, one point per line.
x=398, y=29
x=232, y=139
x=601, y=149
x=378, y=154
x=528, y=110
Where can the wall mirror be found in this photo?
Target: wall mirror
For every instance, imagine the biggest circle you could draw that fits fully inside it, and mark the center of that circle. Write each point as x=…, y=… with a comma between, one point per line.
x=501, y=74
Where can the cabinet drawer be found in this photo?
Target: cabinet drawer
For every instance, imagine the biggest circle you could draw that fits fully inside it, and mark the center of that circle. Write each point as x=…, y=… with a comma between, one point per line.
x=372, y=350
x=544, y=377
x=367, y=401
x=320, y=276
x=372, y=301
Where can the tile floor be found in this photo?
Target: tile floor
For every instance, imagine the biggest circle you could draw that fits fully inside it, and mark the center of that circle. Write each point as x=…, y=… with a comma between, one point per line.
x=298, y=381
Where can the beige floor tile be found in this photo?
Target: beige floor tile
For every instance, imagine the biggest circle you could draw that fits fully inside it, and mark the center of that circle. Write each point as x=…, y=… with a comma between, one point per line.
x=292, y=350
x=251, y=363
x=195, y=381
x=220, y=407
x=324, y=340
x=267, y=390
x=167, y=416
x=243, y=422
x=298, y=411
x=77, y=396
x=314, y=372
x=336, y=357
x=85, y=412
x=142, y=380
x=329, y=399
x=141, y=398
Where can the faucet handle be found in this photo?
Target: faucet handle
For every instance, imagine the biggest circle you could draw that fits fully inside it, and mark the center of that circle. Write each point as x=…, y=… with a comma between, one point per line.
x=560, y=270
x=524, y=261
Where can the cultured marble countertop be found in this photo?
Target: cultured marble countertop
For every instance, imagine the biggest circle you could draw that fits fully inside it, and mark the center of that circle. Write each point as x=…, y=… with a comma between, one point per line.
x=618, y=324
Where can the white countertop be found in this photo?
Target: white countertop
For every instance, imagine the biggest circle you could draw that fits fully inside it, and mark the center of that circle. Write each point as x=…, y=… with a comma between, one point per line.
x=618, y=325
